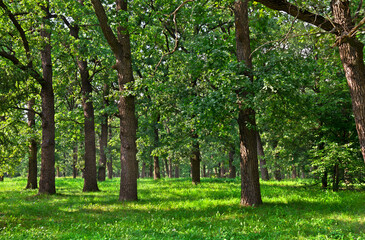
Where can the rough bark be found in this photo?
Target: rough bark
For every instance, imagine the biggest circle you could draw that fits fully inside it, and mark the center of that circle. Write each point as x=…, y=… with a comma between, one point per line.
x=250, y=185
x=32, y=163
x=103, y=137
x=260, y=152
x=47, y=178
x=195, y=160
x=90, y=183
x=120, y=45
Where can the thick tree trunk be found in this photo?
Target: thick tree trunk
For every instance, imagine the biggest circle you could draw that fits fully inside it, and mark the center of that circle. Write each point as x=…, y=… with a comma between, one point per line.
x=110, y=161
x=74, y=161
x=195, y=160
x=103, y=137
x=260, y=152
x=250, y=185
x=32, y=164
x=120, y=45
x=47, y=178
x=351, y=53
x=90, y=183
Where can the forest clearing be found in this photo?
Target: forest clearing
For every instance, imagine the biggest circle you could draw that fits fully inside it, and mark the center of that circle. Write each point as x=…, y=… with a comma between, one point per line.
x=176, y=209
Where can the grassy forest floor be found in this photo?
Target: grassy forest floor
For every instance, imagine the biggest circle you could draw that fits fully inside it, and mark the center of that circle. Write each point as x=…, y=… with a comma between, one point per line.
x=175, y=209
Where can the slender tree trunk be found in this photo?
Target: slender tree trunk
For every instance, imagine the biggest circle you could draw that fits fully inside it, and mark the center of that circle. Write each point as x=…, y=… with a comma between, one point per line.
x=204, y=170
x=250, y=185
x=324, y=180
x=74, y=161
x=143, y=174
x=232, y=168
x=156, y=161
x=177, y=170
x=47, y=178
x=110, y=161
x=90, y=183
x=335, y=178
x=294, y=172
x=170, y=167
x=260, y=152
x=195, y=160
x=103, y=137
x=166, y=167
x=32, y=164
x=1, y=178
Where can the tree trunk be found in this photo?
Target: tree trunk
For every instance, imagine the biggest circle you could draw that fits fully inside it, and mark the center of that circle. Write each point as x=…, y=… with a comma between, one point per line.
x=110, y=161
x=47, y=178
x=195, y=160
x=204, y=170
x=351, y=53
x=232, y=168
x=156, y=162
x=74, y=160
x=32, y=164
x=143, y=173
x=335, y=178
x=90, y=183
x=103, y=137
x=170, y=167
x=1, y=178
x=166, y=167
x=120, y=45
x=260, y=152
x=250, y=185
x=324, y=180
x=294, y=172
x=177, y=170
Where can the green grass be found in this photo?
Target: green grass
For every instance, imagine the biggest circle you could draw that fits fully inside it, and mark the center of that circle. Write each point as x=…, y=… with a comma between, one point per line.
x=176, y=209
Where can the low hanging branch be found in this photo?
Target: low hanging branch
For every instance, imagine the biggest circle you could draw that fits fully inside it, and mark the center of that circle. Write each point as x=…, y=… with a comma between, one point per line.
x=174, y=13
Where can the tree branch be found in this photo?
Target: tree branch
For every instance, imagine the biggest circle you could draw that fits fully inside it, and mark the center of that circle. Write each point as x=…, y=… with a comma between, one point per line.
x=301, y=14
x=27, y=109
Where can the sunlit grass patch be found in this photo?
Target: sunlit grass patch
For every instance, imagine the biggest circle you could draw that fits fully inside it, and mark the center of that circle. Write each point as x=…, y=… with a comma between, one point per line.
x=176, y=209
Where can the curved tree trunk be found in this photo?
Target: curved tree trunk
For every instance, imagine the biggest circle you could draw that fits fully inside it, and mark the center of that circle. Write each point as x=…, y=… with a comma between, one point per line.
x=32, y=164
x=250, y=185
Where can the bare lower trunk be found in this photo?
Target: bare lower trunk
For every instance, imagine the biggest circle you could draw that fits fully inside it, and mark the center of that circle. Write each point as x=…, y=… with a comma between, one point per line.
x=250, y=185
x=195, y=161
x=47, y=179
x=103, y=137
x=156, y=162
x=324, y=180
x=90, y=183
x=32, y=164
x=143, y=173
x=335, y=178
